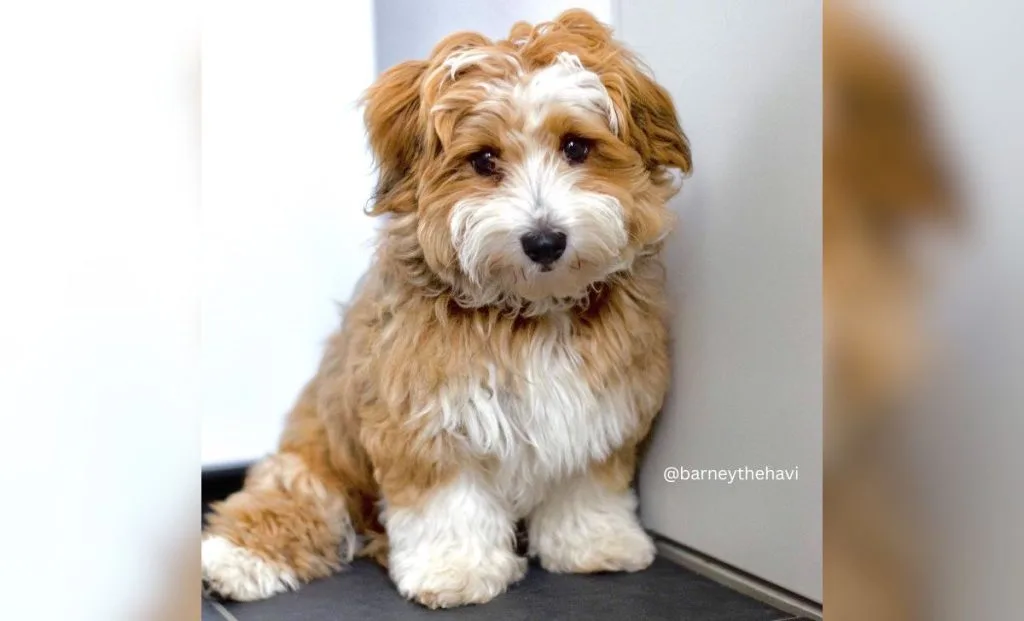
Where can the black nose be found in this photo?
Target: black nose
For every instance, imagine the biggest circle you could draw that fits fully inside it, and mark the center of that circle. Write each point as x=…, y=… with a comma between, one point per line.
x=544, y=247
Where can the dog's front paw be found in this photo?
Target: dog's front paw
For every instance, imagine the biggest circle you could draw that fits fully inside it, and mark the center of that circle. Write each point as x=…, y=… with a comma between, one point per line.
x=447, y=581
x=585, y=528
x=626, y=548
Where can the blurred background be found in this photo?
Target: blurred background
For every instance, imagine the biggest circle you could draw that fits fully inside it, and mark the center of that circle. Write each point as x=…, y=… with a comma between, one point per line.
x=922, y=296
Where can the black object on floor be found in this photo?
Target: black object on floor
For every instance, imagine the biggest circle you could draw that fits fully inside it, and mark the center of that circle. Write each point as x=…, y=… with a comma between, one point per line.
x=665, y=591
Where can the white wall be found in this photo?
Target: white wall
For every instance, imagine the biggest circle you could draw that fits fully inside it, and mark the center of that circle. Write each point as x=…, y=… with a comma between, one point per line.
x=286, y=175
x=744, y=281
x=99, y=338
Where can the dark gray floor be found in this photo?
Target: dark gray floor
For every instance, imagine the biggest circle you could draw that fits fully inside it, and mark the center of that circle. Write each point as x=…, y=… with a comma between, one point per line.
x=665, y=591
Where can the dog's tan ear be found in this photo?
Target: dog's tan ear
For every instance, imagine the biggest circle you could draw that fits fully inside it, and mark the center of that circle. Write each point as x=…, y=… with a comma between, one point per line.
x=392, y=116
x=652, y=127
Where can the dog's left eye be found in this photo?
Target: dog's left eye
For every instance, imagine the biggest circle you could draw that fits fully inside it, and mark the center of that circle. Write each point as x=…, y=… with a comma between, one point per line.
x=485, y=162
x=576, y=148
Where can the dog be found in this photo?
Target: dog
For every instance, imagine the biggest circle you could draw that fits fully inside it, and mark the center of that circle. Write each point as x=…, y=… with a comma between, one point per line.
x=506, y=353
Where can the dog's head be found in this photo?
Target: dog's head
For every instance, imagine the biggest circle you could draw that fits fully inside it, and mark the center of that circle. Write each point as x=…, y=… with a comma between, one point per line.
x=534, y=167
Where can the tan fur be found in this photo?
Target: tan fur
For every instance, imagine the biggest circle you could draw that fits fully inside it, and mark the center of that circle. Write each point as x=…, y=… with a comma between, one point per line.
x=363, y=429
x=883, y=178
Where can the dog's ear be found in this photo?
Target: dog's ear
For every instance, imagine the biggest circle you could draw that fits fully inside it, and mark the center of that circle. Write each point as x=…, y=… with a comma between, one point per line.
x=651, y=126
x=392, y=116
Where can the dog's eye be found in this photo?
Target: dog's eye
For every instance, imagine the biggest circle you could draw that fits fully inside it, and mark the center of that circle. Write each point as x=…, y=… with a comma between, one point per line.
x=485, y=162
x=576, y=148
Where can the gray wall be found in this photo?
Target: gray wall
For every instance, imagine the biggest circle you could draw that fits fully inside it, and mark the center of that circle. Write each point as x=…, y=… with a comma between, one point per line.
x=745, y=282
x=407, y=29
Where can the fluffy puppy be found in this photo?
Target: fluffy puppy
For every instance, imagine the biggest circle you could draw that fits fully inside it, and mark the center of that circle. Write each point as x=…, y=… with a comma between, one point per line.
x=505, y=354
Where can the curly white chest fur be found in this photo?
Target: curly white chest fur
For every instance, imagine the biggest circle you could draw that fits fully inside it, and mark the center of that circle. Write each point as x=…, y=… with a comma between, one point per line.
x=545, y=426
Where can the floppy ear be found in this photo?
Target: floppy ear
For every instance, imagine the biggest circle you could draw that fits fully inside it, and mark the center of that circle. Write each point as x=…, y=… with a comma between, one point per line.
x=652, y=126
x=392, y=116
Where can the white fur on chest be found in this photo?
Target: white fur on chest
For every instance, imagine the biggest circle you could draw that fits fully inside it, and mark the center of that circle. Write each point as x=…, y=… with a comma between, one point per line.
x=550, y=424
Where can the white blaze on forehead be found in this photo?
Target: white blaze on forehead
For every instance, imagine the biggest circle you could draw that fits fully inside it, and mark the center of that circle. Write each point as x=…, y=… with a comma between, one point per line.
x=567, y=82
x=464, y=58
x=502, y=67
x=477, y=57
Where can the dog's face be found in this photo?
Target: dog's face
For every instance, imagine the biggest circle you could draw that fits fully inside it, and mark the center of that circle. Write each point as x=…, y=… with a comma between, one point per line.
x=534, y=166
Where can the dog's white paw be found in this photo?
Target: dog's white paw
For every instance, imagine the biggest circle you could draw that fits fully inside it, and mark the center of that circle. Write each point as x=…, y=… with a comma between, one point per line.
x=448, y=581
x=235, y=573
x=585, y=528
x=628, y=548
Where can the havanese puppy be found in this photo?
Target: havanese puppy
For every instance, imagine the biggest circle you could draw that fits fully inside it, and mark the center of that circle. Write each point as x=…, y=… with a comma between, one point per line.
x=506, y=353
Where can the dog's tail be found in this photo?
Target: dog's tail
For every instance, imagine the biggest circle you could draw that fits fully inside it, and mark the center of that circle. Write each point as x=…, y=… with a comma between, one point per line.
x=297, y=518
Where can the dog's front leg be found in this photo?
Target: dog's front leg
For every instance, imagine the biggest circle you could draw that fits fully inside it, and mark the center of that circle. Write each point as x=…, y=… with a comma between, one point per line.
x=454, y=545
x=588, y=524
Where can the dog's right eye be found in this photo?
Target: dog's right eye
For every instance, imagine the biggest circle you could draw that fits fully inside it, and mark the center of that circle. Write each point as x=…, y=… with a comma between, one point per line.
x=485, y=162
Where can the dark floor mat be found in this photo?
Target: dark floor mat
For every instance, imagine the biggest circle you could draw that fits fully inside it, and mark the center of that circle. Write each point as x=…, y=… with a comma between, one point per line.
x=665, y=591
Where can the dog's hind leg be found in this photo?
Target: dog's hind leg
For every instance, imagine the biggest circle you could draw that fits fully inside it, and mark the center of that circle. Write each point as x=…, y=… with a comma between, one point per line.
x=283, y=528
x=292, y=522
